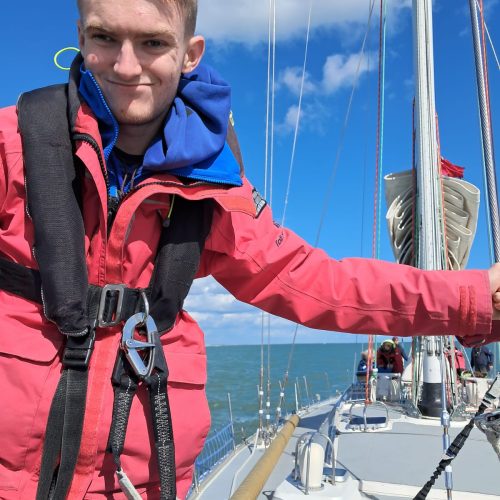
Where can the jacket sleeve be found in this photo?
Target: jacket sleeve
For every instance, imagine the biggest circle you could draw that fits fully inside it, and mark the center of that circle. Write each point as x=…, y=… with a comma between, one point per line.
x=272, y=268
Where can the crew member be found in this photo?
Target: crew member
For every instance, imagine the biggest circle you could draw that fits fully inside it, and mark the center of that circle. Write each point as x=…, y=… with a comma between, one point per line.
x=108, y=210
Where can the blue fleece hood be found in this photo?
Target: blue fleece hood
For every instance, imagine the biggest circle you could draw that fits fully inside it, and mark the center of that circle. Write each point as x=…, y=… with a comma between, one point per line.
x=192, y=143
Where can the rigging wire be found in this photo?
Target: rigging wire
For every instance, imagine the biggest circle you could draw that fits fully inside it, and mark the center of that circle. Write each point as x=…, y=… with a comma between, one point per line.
x=299, y=111
x=283, y=384
x=329, y=191
x=271, y=178
x=380, y=133
x=485, y=62
x=273, y=104
x=489, y=38
x=269, y=152
x=377, y=197
x=340, y=147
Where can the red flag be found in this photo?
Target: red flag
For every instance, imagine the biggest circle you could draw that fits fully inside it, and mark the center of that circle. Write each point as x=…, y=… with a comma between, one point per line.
x=450, y=169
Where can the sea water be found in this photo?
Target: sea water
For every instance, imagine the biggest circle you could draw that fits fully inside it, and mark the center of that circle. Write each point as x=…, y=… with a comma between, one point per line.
x=318, y=370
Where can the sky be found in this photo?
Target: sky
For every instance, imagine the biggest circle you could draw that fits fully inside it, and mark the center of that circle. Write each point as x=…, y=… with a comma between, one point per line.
x=237, y=36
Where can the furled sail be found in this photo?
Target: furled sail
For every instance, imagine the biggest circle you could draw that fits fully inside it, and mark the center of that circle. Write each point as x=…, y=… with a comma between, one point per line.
x=461, y=206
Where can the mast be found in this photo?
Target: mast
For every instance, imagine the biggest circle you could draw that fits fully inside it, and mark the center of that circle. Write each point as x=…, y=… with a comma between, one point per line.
x=431, y=246
x=429, y=209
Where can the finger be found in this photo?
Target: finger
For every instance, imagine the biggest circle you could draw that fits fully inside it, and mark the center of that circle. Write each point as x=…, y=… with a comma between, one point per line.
x=496, y=297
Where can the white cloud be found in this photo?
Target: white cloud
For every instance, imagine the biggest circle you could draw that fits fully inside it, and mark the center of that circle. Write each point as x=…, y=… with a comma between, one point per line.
x=291, y=78
x=247, y=21
x=313, y=117
x=290, y=120
x=340, y=71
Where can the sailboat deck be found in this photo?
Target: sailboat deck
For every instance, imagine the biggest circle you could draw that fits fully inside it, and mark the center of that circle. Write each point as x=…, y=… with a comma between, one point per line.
x=402, y=459
x=388, y=464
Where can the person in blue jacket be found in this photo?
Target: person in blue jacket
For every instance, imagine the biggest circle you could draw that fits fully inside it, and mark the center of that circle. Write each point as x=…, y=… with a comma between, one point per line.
x=481, y=361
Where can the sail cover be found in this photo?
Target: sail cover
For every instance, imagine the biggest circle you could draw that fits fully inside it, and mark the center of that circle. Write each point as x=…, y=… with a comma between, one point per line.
x=461, y=206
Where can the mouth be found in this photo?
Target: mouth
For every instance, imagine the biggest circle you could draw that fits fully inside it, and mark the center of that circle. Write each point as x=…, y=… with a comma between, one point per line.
x=129, y=85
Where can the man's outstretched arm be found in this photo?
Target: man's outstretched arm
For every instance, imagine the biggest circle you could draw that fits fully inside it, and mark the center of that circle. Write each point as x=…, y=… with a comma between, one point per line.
x=272, y=268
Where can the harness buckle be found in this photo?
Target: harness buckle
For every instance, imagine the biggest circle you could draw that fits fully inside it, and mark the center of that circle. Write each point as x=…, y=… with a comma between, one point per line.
x=142, y=366
x=110, y=294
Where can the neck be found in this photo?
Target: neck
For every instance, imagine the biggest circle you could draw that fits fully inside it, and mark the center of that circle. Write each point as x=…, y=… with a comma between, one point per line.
x=135, y=139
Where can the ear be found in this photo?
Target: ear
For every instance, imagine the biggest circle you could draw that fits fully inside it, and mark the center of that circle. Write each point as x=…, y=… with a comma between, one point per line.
x=194, y=53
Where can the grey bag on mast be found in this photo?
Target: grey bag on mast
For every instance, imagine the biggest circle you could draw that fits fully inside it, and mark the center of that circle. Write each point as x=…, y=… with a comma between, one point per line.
x=461, y=207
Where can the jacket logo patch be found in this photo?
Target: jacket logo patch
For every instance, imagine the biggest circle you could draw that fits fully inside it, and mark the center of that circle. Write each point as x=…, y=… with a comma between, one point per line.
x=260, y=203
x=280, y=240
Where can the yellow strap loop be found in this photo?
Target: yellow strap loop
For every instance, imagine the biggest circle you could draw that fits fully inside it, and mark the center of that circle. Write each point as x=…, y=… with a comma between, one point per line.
x=58, y=53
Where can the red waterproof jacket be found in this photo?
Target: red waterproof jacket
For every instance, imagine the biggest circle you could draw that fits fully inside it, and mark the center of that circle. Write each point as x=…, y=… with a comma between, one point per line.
x=393, y=358
x=256, y=260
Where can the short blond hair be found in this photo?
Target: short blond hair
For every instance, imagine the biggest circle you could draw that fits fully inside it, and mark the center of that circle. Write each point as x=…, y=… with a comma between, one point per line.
x=189, y=9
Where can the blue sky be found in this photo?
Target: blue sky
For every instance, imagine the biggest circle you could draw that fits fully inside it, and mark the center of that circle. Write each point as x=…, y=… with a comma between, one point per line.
x=236, y=32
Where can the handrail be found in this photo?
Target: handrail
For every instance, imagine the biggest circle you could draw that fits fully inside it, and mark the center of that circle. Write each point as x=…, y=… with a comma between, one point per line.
x=365, y=409
x=252, y=485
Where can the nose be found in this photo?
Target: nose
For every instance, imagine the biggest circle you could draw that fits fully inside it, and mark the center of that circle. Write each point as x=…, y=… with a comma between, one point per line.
x=127, y=65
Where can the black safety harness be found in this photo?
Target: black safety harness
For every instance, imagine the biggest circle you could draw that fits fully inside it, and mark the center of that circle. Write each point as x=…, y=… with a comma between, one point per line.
x=61, y=285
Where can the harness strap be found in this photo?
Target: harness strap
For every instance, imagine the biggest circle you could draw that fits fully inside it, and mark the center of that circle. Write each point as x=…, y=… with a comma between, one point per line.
x=20, y=280
x=162, y=423
x=53, y=187
x=125, y=389
x=106, y=306
x=126, y=383
x=64, y=425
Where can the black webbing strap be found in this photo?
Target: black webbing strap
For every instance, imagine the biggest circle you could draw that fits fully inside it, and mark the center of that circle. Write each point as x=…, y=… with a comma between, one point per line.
x=162, y=424
x=65, y=424
x=108, y=305
x=125, y=387
x=52, y=177
x=20, y=280
x=125, y=383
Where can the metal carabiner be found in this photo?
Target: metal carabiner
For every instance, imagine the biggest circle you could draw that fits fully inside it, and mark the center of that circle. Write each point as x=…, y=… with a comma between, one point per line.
x=142, y=367
x=145, y=302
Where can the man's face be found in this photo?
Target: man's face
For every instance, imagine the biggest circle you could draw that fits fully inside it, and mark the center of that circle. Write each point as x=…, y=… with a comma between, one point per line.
x=136, y=50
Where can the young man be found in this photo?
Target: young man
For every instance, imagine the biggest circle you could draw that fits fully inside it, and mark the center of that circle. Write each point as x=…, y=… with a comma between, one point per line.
x=153, y=186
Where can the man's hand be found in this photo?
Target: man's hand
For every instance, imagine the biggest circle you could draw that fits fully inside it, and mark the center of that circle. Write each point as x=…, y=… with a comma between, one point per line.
x=494, y=274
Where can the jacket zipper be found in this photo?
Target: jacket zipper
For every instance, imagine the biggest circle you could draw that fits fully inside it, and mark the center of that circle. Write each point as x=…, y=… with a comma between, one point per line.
x=114, y=204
